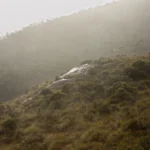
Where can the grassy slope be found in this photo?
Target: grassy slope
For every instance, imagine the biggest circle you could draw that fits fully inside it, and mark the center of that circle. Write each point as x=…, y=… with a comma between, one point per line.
x=106, y=109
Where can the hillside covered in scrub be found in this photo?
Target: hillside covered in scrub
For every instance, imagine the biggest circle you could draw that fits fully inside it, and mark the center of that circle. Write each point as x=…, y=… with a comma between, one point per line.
x=40, y=52
x=106, y=107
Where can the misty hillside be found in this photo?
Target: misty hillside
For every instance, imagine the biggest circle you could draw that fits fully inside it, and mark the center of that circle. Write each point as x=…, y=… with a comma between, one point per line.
x=102, y=104
x=42, y=51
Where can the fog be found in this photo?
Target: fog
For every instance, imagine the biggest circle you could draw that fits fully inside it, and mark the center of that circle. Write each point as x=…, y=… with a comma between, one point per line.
x=42, y=51
x=18, y=13
x=74, y=74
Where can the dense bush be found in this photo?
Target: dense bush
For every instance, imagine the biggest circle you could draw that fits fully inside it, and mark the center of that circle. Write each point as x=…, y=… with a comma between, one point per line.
x=122, y=91
x=57, y=96
x=121, y=94
x=136, y=74
x=57, y=104
x=46, y=91
x=139, y=70
x=142, y=65
x=67, y=88
x=126, y=86
x=133, y=125
x=101, y=108
x=91, y=86
x=9, y=126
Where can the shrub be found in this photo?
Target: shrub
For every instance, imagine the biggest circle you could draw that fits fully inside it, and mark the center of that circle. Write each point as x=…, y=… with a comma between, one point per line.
x=142, y=65
x=57, y=141
x=90, y=113
x=92, y=71
x=145, y=119
x=33, y=142
x=94, y=135
x=9, y=126
x=144, y=85
x=145, y=142
x=57, y=96
x=115, y=136
x=67, y=88
x=88, y=87
x=85, y=87
x=105, y=74
x=66, y=123
x=122, y=91
x=57, y=104
x=133, y=125
x=46, y=91
x=32, y=130
x=114, y=108
x=56, y=145
x=121, y=95
x=127, y=86
x=102, y=108
x=99, y=88
x=139, y=70
x=135, y=73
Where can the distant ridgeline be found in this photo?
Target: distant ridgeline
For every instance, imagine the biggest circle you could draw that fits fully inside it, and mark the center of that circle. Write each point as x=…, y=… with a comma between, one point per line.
x=42, y=51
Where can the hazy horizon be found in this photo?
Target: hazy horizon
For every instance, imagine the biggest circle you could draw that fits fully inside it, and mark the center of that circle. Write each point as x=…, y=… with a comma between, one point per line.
x=17, y=14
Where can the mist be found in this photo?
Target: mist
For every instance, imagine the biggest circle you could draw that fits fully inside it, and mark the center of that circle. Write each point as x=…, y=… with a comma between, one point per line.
x=40, y=51
x=75, y=75
x=16, y=14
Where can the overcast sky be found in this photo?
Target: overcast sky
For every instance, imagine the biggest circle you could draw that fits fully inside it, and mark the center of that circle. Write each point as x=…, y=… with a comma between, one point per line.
x=15, y=14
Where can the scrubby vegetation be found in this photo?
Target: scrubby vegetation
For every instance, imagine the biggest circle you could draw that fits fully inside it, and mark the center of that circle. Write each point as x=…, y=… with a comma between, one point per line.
x=106, y=109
